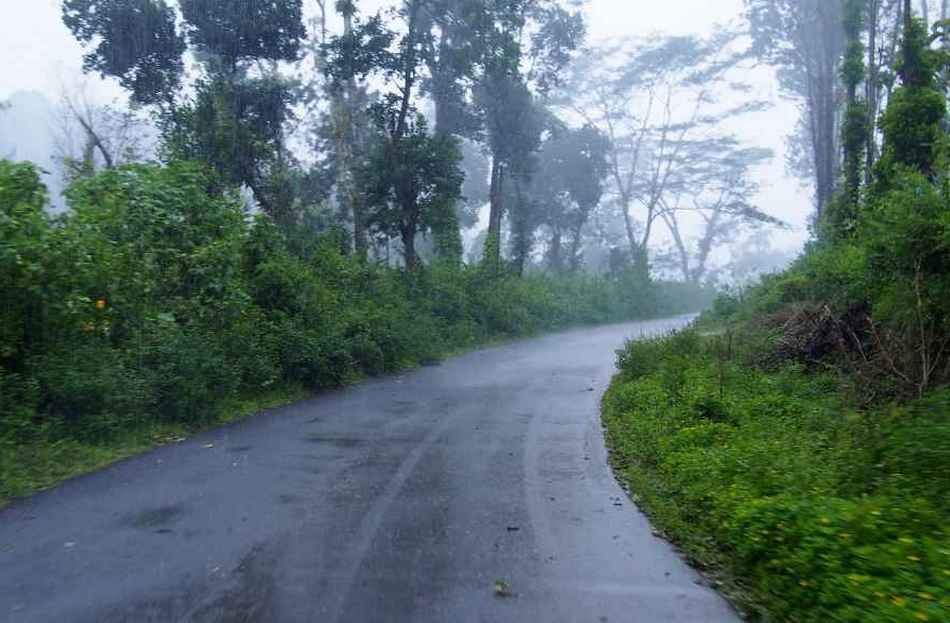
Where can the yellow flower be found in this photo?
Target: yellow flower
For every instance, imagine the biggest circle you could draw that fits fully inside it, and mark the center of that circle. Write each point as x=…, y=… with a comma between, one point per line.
x=101, y=304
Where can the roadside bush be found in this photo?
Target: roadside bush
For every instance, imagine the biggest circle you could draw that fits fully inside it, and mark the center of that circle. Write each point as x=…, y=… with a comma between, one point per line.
x=867, y=560
x=155, y=303
x=94, y=389
x=811, y=511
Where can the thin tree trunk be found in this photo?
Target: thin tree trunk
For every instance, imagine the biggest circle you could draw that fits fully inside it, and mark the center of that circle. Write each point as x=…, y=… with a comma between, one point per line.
x=408, y=234
x=496, y=213
x=522, y=231
x=346, y=146
x=95, y=140
x=576, y=239
x=872, y=89
x=554, y=253
x=449, y=228
x=673, y=225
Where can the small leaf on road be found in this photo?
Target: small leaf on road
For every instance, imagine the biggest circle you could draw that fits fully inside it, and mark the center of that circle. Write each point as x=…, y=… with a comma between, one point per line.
x=503, y=589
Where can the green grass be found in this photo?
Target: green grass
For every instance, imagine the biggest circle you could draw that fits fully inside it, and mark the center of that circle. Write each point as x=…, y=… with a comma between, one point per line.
x=799, y=506
x=52, y=457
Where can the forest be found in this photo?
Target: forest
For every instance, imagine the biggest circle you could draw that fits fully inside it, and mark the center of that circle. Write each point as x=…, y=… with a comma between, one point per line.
x=292, y=197
x=796, y=441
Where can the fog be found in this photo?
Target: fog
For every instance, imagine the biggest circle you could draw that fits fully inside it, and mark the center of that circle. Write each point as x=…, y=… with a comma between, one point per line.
x=43, y=63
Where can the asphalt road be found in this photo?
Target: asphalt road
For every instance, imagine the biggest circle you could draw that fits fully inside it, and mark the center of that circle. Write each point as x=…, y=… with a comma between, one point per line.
x=402, y=499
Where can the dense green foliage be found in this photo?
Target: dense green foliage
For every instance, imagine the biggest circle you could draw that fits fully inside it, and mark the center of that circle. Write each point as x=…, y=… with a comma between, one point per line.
x=801, y=444
x=136, y=42
x=157, y=301
x=816, y=510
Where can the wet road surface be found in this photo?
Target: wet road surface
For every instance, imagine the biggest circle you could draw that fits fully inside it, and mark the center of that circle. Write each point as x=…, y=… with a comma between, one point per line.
x=474, y=491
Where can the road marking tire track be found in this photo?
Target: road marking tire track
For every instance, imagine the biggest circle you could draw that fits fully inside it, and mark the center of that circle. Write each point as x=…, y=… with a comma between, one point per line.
x=369, y=527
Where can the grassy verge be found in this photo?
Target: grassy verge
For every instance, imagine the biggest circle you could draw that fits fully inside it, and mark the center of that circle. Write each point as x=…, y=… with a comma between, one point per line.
x=801, y=506
x=56, y=453
x=154, y=304
x=52, y=456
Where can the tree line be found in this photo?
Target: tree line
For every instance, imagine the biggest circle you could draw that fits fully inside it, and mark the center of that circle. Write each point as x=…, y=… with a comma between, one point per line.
x=401, y=126
x=879, y=254
x=298, y=224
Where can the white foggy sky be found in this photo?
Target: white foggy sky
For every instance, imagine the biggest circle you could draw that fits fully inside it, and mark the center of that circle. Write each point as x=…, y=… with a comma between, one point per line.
x=37, y=53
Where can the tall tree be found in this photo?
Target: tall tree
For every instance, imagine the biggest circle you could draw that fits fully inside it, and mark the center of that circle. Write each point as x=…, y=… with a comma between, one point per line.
x=234, y=120
x=805, y=40
x=412, y=177
x=913, y=137
x=108, y=136
x=568, y=187
x=244, y=31
x=651, y=98
x=504, y=90
x=136, y=42
x=513, y=129
x=348, y=60
x=855, y=127
x=457, y=35
x=714, y=190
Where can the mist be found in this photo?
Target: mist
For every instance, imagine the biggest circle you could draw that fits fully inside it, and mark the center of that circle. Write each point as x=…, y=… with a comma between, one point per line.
x=475, y=310
x=52, y=68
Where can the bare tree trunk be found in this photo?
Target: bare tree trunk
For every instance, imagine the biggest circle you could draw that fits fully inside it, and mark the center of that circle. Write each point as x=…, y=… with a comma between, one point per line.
x=872, y=88
x=673, y=225
x=448, y=229
x=827, y=134
x=554, y=253
x=496, y=213
x=408, y=234
x=576, y=239
x=347, y=142
x=628, y=223
x=522, y=229
x=91, y=134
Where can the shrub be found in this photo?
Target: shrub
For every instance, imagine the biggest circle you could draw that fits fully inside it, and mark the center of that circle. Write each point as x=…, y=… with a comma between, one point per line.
x=154, y=302
x=815, y=512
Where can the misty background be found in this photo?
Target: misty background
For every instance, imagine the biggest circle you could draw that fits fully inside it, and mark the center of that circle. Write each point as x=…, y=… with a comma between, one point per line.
x=43, y=65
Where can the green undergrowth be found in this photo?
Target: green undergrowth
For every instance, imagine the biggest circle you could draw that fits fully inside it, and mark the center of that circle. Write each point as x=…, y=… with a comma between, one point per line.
x=156, y=306
x=56, y=454
x=800, y=506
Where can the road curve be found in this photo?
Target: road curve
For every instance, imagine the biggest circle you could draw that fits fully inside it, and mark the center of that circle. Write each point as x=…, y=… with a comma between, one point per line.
x=474, y=491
